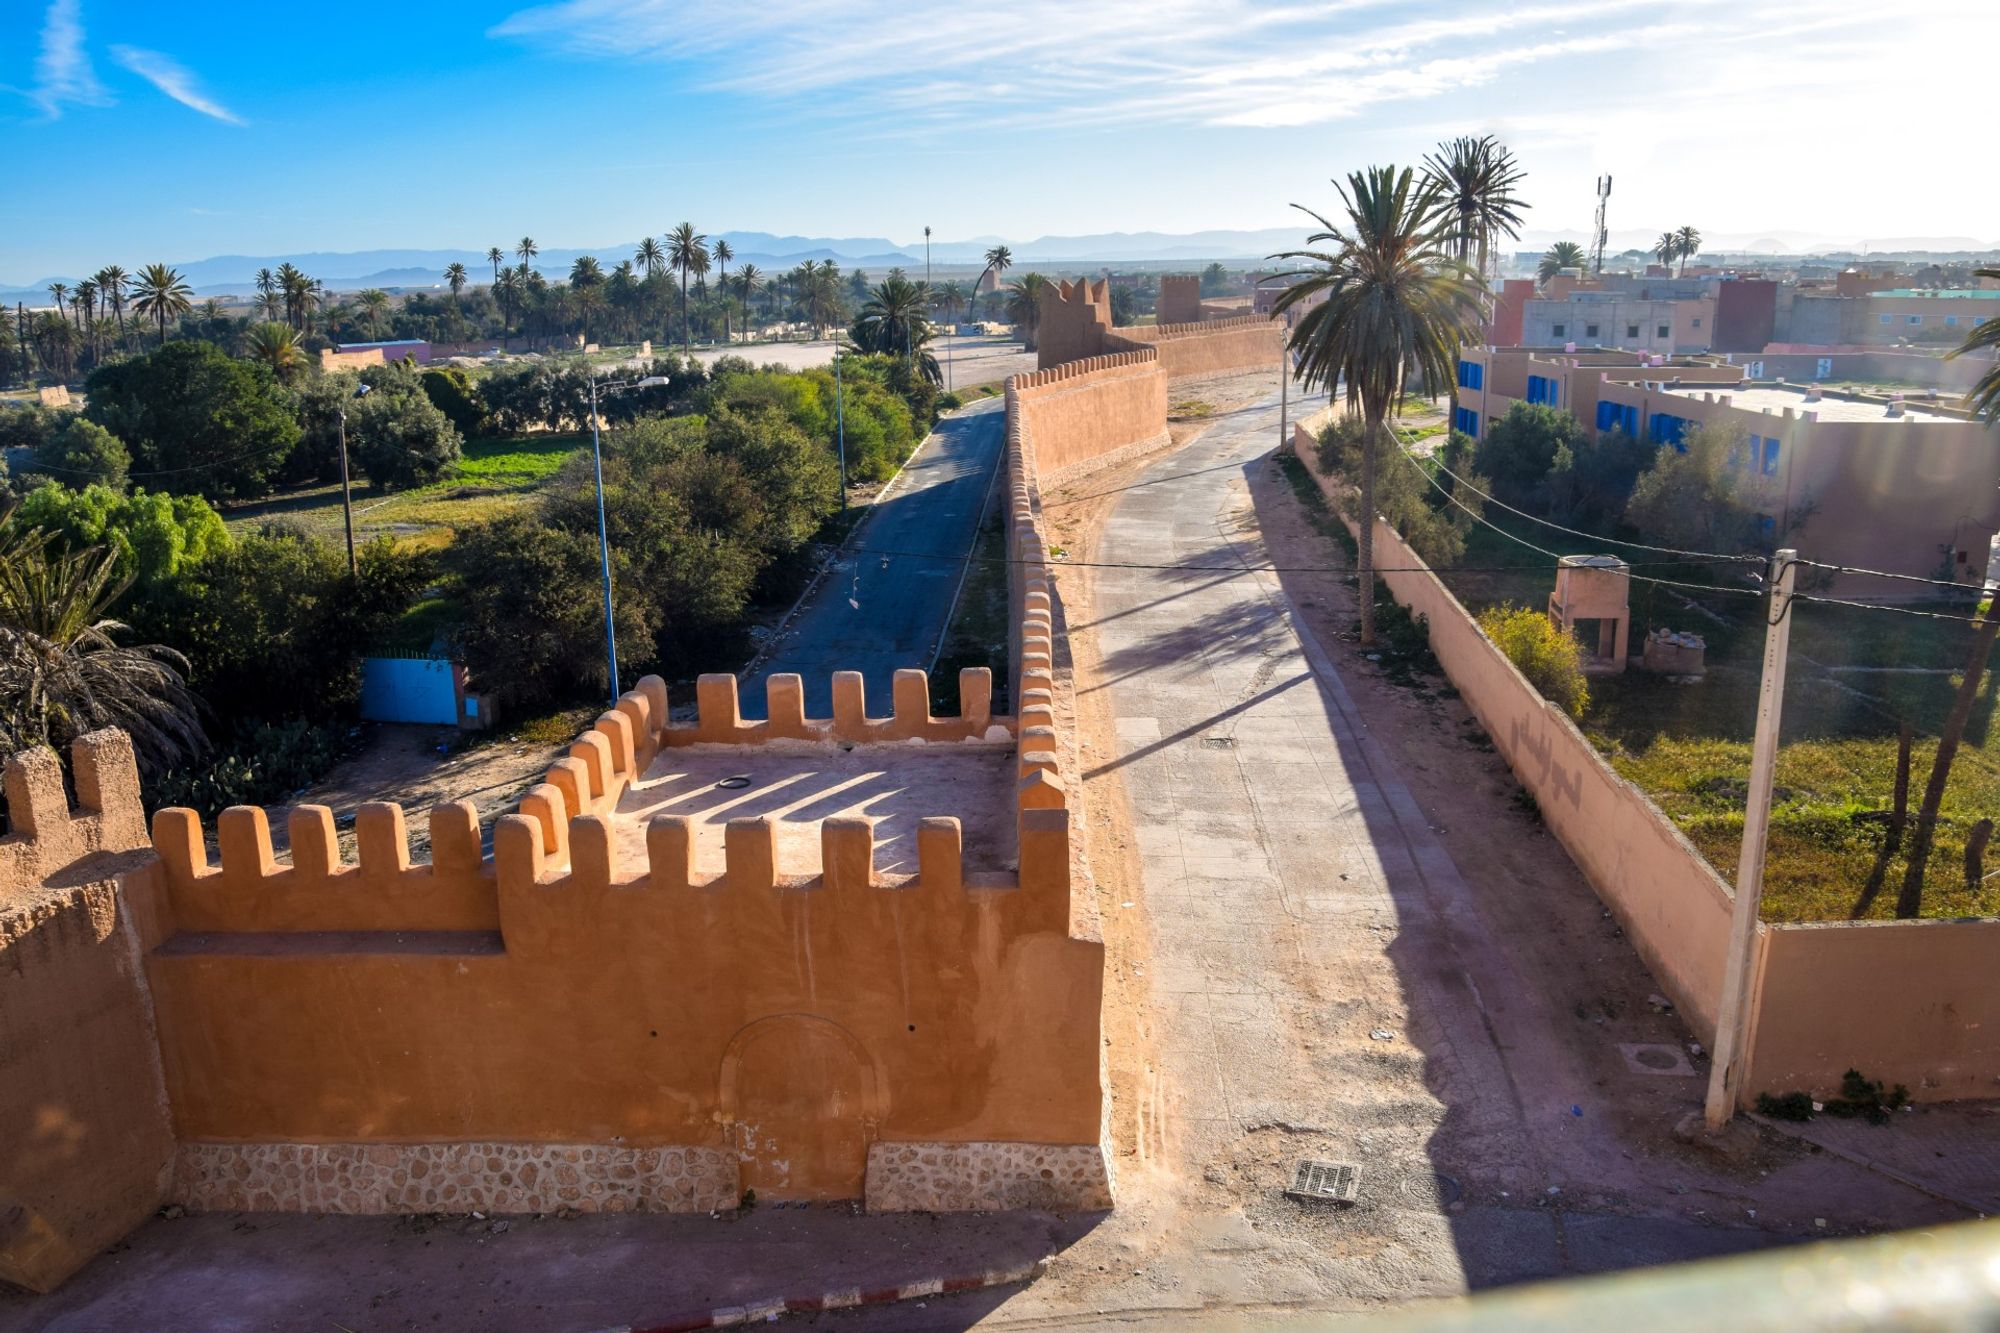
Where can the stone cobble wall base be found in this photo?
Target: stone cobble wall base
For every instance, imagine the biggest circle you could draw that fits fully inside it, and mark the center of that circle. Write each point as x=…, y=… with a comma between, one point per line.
x=451, y=1178
x=986, y=1177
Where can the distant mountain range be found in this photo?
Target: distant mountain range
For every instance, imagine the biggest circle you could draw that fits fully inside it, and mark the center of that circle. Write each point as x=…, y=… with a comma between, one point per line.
x=226, y=275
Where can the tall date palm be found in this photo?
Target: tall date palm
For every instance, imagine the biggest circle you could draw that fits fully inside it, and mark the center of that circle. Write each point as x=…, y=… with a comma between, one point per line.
x=160, y=293
x=1476, y=180
x=1397, y=304
x=687, y=251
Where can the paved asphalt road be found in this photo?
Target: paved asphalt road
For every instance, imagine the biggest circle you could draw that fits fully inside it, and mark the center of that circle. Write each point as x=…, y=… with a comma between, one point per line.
x=873, y=612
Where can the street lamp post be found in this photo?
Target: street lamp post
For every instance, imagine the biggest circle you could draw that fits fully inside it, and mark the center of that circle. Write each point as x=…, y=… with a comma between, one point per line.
x=603, y=546
x=346, y=491
x=840, y=423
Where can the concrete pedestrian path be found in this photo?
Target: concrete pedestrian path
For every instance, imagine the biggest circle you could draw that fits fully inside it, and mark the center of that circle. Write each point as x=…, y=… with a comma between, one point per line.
x=1326, y=984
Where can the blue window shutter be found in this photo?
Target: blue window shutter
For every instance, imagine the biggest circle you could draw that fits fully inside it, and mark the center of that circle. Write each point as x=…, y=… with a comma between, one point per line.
x=1770, y=457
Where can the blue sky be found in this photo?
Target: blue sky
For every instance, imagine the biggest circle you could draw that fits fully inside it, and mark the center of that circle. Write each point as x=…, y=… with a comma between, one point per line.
x=136, y=131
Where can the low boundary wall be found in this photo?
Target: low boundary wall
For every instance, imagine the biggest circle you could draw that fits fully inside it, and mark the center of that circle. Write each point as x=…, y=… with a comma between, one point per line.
x=1903, y=1001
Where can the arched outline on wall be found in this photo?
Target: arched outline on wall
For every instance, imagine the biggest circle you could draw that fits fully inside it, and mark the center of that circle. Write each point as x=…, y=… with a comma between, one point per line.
x=874, y=1083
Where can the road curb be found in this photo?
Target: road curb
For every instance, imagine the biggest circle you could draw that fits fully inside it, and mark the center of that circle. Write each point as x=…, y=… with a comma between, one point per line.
x=845, y=1298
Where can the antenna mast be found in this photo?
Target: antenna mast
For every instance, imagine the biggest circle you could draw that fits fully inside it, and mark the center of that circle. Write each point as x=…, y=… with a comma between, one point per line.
x=1602, y=234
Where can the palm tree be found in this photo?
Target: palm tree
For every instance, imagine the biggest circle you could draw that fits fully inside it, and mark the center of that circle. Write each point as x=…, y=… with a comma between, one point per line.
x=1689, y=242
x=1024, y=305
x=374, y=300
x=894, y=322
x=1984, y=400
x=586, y=276
x=86, y=295
x=494, y=254
x=1397, y=303
x=63, y=671
x=1476, y=179
x=111, y=281
x=527, y=249
x=507, y=292
x=686, y=247
x=650, y=257
x=1561, y=255
x=454, y=278
x=723, y=254
x=749, y=281
x=267, y=292
x=948, y=297
x=55, y=343
x=998, y=260
x=277, y=346
x=59, y=292
x=161, y=293
x=297, y=289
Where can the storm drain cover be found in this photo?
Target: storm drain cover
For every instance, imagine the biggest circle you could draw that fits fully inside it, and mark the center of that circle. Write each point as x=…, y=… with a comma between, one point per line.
x=1659, y=1058
x=1434, y=1189
x=1219, y=742
x=735, y=783
x=1325, y=1182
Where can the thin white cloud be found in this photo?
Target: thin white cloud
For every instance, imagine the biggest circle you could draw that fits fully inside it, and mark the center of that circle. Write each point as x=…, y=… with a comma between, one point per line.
x=174, y=79
x=63, y=73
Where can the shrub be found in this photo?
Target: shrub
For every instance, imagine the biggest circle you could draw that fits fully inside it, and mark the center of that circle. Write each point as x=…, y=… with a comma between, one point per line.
x=1422, y=514
x=156, y=536
x=267, y=763
x=1550, y=659
x=452, y=392
x=1519, y=449
x=396, y=436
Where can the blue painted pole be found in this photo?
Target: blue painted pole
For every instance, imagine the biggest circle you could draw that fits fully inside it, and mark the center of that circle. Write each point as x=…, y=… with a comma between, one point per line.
x=603, y=547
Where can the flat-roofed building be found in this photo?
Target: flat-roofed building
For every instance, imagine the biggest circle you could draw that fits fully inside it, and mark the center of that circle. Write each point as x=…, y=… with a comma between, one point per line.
x=1607, y=319
x=1870, y=481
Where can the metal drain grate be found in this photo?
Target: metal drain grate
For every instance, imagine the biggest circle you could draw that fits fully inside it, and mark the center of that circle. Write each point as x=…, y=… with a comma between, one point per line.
x=1325, y=1182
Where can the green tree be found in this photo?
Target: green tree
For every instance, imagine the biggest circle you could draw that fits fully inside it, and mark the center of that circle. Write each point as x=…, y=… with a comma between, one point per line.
x=1561, y=255
x=153, y=537
x=196, y=419
x=1214, y=280
x=273, y=625
x=84, y=452
x=376, y=302
x=453, y=393
x=1397, y=306
x=1691, y=497
x=162, y=294
x=1520, y=448
x=1668, y=248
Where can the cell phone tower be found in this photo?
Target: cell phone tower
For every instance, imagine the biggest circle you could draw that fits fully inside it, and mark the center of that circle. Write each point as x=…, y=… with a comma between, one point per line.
x=1602, y=233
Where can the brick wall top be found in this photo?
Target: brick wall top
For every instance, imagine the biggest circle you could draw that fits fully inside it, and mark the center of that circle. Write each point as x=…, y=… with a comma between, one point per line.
x=1069, y=370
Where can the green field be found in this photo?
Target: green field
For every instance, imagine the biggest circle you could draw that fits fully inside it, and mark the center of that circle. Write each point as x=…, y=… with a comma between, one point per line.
x=493, y=476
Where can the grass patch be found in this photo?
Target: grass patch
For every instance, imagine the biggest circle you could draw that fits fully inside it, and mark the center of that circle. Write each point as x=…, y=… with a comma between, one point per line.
x=1190, y=409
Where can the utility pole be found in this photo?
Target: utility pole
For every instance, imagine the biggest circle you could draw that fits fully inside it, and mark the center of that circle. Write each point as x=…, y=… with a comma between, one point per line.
x=840, y=424
x=346, y=491
x=1284, y=400
x=1732, y=1019
x=603, y=548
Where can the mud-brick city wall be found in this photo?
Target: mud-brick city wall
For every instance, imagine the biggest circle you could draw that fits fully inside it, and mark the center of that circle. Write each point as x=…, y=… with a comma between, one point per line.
x=1078, y=413
x=1210, y=347
x=85, y=1143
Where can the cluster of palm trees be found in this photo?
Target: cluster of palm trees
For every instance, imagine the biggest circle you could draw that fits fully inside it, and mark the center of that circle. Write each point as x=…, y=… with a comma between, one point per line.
x=88, y=321
x=1682, y=245
x=1400, y=274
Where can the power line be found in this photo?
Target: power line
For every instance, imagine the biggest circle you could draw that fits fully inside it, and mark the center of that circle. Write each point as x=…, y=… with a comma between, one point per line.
x=1710, y=556
x=1641, y=578
x=1886, y=574
x=1886, y=606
